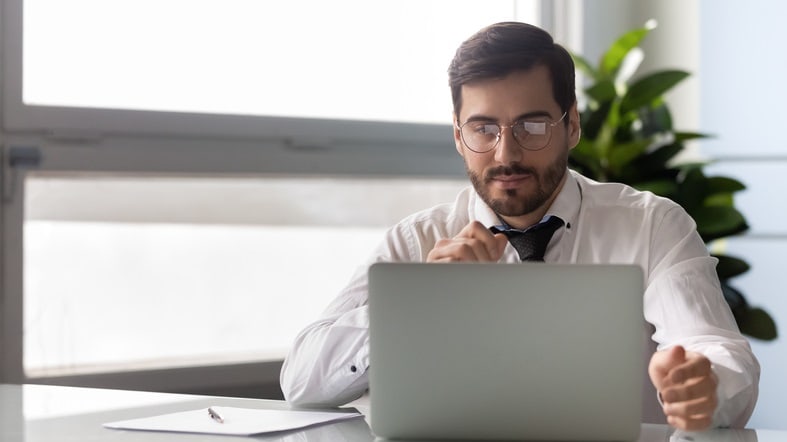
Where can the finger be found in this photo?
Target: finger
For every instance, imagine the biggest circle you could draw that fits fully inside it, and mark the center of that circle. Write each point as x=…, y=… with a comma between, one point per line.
x=695, y=366
x=690, y=424
x=441, y=260
x=665, y=360
x=693, y=389
x=472, y=249
x=662, y=362
x=474, y=230
x=495, y=243
x=697, y=408
x=459, y=250
x=451, y=251
x=501, y=241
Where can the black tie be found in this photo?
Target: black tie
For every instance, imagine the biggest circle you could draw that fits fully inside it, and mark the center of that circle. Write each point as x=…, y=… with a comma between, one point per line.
x=532, y=244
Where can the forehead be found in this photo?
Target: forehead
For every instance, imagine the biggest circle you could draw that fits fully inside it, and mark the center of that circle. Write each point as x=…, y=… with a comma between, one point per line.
x=519, y=93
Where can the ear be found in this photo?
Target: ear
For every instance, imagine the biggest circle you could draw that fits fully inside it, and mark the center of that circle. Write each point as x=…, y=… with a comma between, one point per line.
x=458, y=137
x=574, y=126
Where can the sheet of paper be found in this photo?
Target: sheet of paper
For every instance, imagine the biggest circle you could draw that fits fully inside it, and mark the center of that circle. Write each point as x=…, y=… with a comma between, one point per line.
x=237, y=421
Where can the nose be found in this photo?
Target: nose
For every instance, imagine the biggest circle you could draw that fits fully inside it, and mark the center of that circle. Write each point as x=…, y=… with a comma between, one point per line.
x=507, y=150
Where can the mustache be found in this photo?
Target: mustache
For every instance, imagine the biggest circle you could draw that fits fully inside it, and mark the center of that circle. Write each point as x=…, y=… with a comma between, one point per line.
x=514, y=169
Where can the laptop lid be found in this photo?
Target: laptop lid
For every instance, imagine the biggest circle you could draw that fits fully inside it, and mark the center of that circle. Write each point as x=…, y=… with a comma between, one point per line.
x=506, y=351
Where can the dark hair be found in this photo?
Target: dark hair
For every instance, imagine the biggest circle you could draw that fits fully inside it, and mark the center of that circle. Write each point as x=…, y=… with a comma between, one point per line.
x=502, y=48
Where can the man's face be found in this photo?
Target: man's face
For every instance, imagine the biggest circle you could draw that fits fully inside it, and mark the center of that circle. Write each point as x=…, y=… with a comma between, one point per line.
x=513, y=181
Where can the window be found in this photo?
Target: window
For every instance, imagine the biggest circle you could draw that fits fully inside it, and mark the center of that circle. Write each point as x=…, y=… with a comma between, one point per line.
x=170, y=135
x=163, y=271
x=350, y=60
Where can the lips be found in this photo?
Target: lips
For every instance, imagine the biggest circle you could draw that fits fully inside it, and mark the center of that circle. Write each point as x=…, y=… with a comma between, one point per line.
x=510, y=181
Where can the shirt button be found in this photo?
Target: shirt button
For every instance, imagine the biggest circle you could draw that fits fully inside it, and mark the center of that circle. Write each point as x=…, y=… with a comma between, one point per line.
x=353, y=368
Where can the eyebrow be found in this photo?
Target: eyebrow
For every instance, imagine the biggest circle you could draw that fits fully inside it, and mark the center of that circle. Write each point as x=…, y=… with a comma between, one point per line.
x=524, y=116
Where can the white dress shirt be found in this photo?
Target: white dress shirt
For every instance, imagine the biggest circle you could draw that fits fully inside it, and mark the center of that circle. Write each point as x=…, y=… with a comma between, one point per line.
x=604, y=223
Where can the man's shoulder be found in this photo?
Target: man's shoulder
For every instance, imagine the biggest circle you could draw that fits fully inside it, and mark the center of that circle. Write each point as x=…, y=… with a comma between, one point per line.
x=596, y=194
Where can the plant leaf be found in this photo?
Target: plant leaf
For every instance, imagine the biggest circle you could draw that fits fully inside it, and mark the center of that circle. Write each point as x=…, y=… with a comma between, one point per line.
x=716, y=221
x=583, y=157
x=620, y=155
x=720, y=184
x=606, y=134
x=611, y=60
x=729, y=267
x=655, y=119
x=585, y=67
x=592, y=120
x=685, y=136
x=734, y=298
x=757, y=323
x=693, y=189
x=659, y=158
x=601, y=91
x=649, y=88
x=664, y=188
x=719, y=199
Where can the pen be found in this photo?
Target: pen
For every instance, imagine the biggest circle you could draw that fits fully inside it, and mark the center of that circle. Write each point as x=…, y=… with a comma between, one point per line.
x=215, y=416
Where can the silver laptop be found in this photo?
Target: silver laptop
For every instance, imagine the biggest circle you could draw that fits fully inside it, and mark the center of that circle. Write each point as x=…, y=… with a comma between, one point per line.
x=528, y=351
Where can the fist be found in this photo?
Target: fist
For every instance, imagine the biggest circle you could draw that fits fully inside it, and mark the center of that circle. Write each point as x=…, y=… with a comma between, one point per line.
x=687, y=386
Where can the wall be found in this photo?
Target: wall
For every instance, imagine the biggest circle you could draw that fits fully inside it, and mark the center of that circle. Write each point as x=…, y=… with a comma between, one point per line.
x=674, y=44
x=742, y=90
x=732, y=49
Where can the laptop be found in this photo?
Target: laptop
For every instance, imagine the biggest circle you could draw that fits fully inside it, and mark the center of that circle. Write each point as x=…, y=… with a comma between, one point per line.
x=530, y=351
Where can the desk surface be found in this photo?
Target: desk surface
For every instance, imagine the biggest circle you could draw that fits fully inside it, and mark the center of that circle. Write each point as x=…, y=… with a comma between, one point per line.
x=38, y=413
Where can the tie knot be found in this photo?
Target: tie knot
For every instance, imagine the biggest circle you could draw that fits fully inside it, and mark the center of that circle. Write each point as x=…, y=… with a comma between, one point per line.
x=532, y=243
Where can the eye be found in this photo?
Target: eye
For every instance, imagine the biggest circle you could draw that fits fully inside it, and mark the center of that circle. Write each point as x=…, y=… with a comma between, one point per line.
x=485, y=129
x=535, y=127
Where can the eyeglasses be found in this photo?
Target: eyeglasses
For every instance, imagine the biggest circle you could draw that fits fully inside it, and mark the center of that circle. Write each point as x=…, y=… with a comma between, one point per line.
x=483, y=136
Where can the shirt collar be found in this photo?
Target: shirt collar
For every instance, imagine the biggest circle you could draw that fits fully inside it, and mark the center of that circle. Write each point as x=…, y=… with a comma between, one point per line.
x=566, y=205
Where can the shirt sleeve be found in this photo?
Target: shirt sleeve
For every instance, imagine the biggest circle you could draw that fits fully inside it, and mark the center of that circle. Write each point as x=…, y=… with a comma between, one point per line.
x=328, y=362
x=327, y=365
x=684, y=302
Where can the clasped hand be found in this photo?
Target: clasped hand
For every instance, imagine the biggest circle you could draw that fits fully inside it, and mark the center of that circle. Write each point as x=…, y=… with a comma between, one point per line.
x=473, y=243
x=687, y=386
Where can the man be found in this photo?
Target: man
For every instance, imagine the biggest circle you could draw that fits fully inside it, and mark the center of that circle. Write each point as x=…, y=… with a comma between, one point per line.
x=515, y=121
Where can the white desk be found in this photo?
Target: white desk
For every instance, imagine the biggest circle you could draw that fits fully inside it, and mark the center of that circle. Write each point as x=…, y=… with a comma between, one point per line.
x=36, y=413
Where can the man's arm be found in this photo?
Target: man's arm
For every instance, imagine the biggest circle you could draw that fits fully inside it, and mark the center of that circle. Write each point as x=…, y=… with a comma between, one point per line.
x=704, y=361
x=327, y=364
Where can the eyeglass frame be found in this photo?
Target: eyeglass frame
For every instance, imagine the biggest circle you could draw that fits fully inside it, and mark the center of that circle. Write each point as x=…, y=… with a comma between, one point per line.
x=550, y=125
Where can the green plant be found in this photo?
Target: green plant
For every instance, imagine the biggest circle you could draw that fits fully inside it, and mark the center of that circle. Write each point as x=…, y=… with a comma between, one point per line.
x=628, y=137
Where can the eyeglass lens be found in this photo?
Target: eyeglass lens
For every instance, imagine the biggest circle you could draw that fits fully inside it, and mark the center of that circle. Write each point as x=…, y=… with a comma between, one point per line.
x=484, y=136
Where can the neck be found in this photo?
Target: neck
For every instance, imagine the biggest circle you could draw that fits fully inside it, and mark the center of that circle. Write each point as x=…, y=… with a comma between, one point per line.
x=524, y=221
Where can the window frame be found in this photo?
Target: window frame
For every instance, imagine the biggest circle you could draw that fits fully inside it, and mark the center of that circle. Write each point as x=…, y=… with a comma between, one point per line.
x=112, y=140
x=93, y=122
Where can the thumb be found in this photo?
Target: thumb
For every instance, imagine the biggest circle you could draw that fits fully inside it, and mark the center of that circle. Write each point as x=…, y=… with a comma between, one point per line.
x=501, y=240
x=664, y=361
x=675, y=355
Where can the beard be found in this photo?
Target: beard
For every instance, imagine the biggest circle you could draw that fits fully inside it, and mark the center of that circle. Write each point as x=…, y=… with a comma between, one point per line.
x=516, y=202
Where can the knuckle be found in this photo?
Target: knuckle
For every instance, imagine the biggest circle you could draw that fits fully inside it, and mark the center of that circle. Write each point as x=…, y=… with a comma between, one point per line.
x=441, y=243
x=468, y=249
